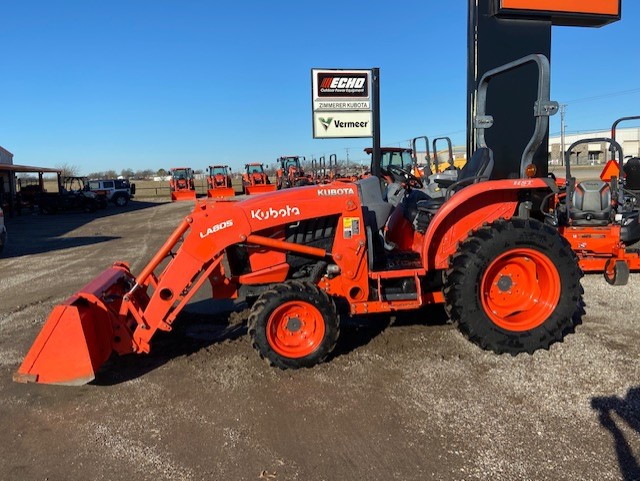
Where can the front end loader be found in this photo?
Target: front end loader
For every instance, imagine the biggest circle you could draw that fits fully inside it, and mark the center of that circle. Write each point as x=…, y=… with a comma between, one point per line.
x=302, y=257
x=181, y=184
x=219, y=182
x=255, y=180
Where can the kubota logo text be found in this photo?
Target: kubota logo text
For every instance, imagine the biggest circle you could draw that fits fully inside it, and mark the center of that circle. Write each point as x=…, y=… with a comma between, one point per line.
x=331, y=192
x=272, y=213
x=216, y=228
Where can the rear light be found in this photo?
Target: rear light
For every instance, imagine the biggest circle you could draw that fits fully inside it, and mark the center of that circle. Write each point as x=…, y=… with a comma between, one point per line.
x=530, y=170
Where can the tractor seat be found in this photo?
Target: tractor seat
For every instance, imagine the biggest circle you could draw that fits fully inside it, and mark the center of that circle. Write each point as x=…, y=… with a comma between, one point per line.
x=370, y=195
x=632, y=174
x=375, y=212
x=477, y=169
x=591, y=203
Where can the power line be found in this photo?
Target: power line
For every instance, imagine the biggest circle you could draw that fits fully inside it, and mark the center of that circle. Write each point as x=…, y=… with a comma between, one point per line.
x=603, y=96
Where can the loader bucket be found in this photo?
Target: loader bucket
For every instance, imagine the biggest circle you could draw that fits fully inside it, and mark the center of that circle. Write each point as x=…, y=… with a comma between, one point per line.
x=80, y=334
x=183, y=195
x=221, y=192
x=260, y=188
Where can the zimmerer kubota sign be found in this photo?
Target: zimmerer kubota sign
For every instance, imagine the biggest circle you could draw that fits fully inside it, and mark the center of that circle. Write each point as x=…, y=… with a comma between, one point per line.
x=341, y=103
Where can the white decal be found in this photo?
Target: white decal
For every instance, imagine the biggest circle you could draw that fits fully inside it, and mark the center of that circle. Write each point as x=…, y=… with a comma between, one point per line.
x=272, y=213
x=341, y=191
x=216, y=228
x=523, y=183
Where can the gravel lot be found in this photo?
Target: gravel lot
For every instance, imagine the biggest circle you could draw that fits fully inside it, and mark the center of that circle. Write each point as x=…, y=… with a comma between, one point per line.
x=404, y=398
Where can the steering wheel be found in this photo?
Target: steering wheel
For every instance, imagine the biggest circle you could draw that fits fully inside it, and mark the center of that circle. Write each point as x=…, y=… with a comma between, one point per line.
x=411, y=179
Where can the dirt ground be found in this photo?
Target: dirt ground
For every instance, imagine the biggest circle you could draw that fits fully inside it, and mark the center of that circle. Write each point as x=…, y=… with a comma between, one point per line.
x=404, y=398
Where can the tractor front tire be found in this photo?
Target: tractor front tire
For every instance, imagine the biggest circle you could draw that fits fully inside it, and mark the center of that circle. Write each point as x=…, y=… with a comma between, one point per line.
x=514, y=286
x=294, y=325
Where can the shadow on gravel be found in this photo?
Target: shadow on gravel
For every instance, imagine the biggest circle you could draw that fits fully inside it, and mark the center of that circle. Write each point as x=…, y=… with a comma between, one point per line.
x=358, y=331
x=627, y=410
x=209, y=322
x=191, y=332
x=33, y=233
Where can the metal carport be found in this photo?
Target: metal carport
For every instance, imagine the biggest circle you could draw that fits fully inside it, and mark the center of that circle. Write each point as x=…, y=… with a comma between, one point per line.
x=9, y=197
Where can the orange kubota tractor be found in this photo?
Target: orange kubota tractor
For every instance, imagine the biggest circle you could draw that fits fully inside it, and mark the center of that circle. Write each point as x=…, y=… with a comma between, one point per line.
x=338, y=174
x=290, y=173
x=255, y=180
x=302, y=257
x=219, y=181
x=181, y=184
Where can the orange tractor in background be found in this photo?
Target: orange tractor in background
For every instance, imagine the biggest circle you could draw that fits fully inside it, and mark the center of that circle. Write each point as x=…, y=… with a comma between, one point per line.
x=290, y=173
x=337, y=173
x=181, y=184
x=303, y=257
x=255, y=180
x=219, y=181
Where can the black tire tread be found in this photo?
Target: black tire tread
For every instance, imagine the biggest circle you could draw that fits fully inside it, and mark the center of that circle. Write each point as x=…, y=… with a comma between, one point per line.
x=466, y=259
x=259, y=316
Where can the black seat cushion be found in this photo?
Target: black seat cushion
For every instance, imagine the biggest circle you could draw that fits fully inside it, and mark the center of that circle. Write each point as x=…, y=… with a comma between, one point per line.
x=632, y=174
x=591, y=203
x=430, y=206
x=410, y=203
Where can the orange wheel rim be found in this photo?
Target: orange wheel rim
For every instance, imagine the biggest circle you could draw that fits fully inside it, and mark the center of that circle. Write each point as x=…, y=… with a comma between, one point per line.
x=295, y=329
x=520, y=289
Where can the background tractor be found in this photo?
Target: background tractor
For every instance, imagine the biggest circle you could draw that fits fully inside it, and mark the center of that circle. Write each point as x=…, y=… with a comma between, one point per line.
x=219, y=181
x=181, y=184
x=255, y=180
x=290, y=173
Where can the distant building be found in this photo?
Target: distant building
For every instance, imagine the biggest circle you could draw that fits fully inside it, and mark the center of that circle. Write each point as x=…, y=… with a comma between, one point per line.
x=10, y=196
x=594, y=153
x=459, y=153
x=7, y=180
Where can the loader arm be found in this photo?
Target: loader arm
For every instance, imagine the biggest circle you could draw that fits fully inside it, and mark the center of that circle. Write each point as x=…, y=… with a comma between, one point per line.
x=119, y=312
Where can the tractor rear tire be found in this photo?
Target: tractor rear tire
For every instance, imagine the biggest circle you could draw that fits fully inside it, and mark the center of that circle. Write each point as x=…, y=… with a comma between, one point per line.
x=294, y=325
x=514, y=286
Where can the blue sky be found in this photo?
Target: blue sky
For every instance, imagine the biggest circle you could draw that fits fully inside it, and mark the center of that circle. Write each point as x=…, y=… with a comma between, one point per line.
x=148, y=84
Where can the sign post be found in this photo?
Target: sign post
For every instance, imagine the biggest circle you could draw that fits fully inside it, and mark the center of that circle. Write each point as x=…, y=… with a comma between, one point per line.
x=501, y=31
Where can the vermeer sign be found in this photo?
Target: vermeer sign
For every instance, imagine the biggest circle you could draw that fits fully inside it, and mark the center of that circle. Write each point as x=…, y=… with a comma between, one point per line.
x=341, y=103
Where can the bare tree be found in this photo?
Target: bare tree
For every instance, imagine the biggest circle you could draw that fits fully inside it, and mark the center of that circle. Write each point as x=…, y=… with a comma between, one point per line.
x=68, y=170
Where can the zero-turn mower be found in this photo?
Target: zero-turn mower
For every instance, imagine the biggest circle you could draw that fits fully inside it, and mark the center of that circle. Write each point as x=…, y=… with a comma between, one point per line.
x=599, y=219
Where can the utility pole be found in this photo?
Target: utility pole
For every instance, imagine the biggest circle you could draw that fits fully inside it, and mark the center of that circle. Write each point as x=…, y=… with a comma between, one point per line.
x=563, y=109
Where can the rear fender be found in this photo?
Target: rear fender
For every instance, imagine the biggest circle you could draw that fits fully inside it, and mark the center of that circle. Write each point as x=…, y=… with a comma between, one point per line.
x=469, y=209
